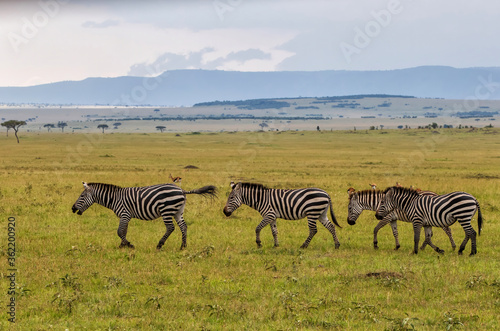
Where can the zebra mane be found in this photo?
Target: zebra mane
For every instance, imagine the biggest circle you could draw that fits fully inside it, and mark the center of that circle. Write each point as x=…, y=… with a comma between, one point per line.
x=399, y=189
x=104, y=185
x=253, y=185
x=365, y=192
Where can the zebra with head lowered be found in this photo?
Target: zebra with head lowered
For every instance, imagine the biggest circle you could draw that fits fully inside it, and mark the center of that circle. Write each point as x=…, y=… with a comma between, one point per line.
x=145, y=203
x=439, y=211
x=312, y=203
x=370, y=200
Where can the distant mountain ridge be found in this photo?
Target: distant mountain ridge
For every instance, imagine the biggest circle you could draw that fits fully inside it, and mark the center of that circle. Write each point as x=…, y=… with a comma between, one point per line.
x=188, y=87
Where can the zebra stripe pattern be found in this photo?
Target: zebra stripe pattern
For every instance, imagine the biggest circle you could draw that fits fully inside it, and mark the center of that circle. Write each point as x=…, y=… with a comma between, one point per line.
x=145, y=203
x=312, y=203
x=439, y=211
x=370, y=200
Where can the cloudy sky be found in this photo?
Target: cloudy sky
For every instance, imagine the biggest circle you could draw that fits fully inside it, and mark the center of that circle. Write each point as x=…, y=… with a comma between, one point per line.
x=46, y=41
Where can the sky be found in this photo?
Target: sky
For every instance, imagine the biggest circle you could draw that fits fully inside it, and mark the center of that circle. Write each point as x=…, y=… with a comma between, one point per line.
x=45, y=41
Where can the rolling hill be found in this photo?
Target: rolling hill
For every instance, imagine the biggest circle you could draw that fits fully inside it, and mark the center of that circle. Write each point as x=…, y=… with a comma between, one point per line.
x=188, y=87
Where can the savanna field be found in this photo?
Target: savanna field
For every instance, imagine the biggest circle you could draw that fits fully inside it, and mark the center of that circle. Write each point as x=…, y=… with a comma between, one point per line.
x=72, y=275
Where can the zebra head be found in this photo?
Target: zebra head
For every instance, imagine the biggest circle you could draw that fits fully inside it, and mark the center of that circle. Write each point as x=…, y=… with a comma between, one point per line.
x=354, y=208
x=85, y=200
x=234, y=200
x=386, y=204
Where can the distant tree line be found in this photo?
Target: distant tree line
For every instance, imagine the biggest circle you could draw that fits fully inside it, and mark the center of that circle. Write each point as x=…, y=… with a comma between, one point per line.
x=476, y=113
x=248, y=104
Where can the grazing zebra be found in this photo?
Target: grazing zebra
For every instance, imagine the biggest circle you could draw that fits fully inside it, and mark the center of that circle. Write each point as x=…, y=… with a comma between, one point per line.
x=145, y=203
x=439, y=211
x=370, y=200
x=312, y=203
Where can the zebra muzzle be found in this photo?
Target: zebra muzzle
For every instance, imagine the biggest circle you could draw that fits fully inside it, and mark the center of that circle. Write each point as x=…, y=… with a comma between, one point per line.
x=74, y=209
x=226, y=212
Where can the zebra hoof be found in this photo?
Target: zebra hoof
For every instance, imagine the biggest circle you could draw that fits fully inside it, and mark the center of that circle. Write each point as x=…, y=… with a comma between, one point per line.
x=397, y=247
x=303, y=246
x=127, y=245
x=375, y=246
x=440, y=251
x=337, y=246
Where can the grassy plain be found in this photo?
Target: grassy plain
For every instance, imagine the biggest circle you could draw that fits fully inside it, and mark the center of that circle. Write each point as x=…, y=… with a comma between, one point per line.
x=71, y=274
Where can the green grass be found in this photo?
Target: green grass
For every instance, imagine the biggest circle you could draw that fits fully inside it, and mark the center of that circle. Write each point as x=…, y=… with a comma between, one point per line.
x=72, y=275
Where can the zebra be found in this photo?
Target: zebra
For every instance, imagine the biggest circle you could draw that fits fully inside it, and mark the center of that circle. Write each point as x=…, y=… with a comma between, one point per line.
x=428, y=210
x=370, y=200
x=145, y=203
x=312, y=203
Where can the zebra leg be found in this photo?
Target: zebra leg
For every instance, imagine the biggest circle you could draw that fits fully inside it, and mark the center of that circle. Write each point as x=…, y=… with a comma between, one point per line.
x=265, y=221
x=380, y=225
x=274, y=231
x=428, y=236
x=464, y=243
x=330, y=227
x=122, y=232
x=424, y=244
x=417, y=227
x=179, y=218
x=472, y=236
x=167, y=220
x=469, y=233
x=394, y=227
x=448, y=232
x=388, y=219
x=312, y=231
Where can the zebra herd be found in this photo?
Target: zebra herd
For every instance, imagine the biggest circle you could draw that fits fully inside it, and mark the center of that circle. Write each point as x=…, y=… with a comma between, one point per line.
x=421, y=208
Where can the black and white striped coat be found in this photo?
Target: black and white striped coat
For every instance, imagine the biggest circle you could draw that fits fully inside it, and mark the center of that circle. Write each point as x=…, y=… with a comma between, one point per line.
x=370, y=200
x=145, y=203
x=312, y=203
x=439, y=211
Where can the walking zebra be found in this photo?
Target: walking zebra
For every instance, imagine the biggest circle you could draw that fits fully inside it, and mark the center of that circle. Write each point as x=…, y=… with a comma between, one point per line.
x=439, y=211
x=370, y=200
x=312, y=203
x=145, y=203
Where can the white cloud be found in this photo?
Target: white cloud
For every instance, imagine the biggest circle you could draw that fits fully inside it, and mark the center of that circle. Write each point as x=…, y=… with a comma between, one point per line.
x=100, y=25
x=77, y=39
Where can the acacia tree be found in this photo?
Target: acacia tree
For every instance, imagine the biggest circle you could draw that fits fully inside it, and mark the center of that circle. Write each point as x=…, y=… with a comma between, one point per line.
x=13, y=124
x=62, y=125
x=161, y=128
x=49, y=126
x=103, y=127
x=263, y=125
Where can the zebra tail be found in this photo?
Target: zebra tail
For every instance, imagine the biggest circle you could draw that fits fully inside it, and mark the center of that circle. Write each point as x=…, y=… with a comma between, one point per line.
x=479, y=218
x=332, y=215
x=208, y=190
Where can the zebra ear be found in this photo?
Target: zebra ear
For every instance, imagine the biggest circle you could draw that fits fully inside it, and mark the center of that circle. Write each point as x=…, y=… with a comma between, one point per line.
x=232, y=185
x=351, y=190
x=85, y=184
